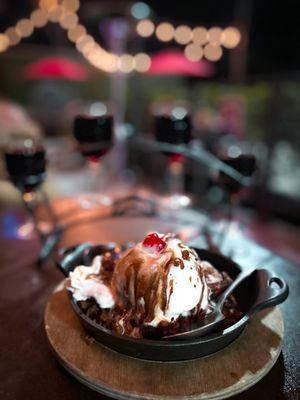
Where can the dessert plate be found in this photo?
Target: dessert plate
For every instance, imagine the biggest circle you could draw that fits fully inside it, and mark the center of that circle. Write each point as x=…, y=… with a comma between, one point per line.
x=265, y=289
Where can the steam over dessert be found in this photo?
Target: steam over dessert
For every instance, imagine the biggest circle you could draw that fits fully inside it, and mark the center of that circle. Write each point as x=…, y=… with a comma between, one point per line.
x=159, y=286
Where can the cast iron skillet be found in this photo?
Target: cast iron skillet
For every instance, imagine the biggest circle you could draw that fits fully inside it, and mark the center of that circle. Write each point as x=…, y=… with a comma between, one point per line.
x=256, y=289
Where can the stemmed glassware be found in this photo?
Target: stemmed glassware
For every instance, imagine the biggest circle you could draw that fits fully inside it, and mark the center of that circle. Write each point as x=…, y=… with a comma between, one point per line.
x=94, y=136
x=26, y=165
x=245, y=164
x=174, y=128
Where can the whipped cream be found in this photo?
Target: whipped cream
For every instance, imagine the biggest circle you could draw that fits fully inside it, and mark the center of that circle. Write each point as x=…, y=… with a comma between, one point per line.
x=85, y=282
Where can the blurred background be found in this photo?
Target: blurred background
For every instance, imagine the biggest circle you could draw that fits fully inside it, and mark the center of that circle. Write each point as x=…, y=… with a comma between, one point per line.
x=232, y=68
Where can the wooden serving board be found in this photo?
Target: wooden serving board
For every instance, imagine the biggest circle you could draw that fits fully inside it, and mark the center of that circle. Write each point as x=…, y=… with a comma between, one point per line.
x=224, y=374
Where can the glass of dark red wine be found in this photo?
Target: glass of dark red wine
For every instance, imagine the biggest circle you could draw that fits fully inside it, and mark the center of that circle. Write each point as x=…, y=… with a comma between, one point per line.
x=94, y=136
x=26, y=166
x=175, y=129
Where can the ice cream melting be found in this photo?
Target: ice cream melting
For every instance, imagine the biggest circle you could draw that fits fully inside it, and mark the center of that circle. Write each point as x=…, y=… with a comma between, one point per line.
x=157, y=281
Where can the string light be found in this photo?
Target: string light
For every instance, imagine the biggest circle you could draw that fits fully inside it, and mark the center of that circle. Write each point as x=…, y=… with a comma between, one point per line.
x=145, y=28
x=193, y=52
x=39, y=18
x=68, y=20
x=13, y=36
x=231, y=37
x=212, y=52
x=24, y=27
x=76, y=32
x=55, y=13
x=199, y=35
x=65, y=12
x=126, y=63
x=4, y=42
x=165, y=32
x=183, y=34
x=142, y=62
x=71, y=5
x=214, y=35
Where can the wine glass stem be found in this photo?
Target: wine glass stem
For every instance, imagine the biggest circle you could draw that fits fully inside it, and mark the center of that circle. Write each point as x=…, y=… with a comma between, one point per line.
x=176, y=178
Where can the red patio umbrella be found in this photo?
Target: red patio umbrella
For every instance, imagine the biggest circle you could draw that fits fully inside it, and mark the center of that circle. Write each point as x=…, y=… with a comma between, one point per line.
x=55, y=68
x=174, y=62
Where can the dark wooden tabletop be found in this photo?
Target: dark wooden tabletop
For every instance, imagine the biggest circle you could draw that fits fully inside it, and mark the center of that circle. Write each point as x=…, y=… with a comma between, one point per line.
x=28, y=370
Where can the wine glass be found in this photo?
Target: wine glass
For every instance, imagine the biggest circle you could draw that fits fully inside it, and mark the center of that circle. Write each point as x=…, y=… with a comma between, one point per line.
x=26, y=166
x=95, y=138
x=175, y=129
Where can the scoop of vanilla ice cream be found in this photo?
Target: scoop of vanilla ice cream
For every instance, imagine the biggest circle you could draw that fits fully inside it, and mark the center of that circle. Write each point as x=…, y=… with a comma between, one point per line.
x=186, y=287
x=85, y=282
x=161, y=285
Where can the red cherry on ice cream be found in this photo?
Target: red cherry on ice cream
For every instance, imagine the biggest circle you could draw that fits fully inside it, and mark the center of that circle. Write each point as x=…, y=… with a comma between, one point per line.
x=154, y=241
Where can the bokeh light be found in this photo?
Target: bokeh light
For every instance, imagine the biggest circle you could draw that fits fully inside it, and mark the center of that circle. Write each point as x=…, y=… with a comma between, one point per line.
x=183, y=34
x=68, y=20
x=24, y=27
x=199, y=35
x=140, y=10
x=214, y=35
x=231, y=37
x=71, y=5
x=165, y=32
x=142, y=62
x=4, y=42
x=39, y=18
x=126, y=63
x=75, y=33
x=13, y=36
x=145, y=28
x=212, y=52
x=84, y=42
x=193, y=52
x=55, y=14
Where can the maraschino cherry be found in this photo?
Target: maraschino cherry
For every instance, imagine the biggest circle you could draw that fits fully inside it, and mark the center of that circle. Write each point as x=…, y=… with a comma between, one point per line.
x=153, y=241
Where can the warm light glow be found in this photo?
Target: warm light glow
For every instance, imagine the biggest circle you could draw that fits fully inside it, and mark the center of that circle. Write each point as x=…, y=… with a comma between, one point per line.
x=165, y=32
x=214, y=35
x=145, y=28
x=213, y=53
x=231, y=37
x=126, y=63
x=193, y=52
x=75, y=33
x=83, y=42
x=39, y=18
x=4, y=42
x=183, y=34
x=13, y=36
x=199, y=35
x=142, y=62
x=55, y=14
x=48, y=4
x=110, y=63
x=69, y=20
x=88, y=48
x=24, y=27
x=71, y=5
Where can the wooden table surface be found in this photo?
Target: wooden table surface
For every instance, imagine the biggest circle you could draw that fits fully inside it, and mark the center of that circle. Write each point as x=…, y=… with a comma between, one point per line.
x=28, y=370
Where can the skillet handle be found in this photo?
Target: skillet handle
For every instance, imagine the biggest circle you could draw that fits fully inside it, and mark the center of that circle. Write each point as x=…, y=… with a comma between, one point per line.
x=269, y=295
x=70, y=257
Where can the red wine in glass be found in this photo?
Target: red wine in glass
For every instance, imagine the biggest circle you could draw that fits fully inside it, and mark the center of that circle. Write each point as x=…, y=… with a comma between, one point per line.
x=94, y=135
x=176, y=131
x=172, y=130
x=26, y=166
